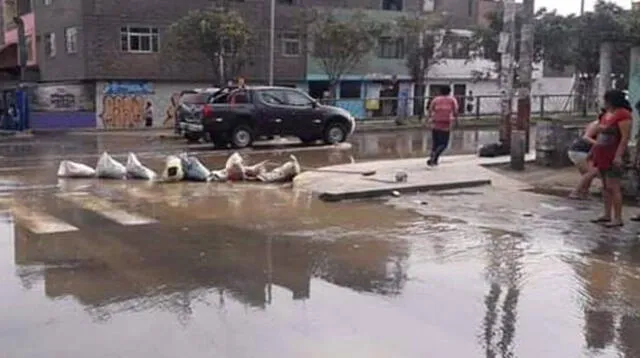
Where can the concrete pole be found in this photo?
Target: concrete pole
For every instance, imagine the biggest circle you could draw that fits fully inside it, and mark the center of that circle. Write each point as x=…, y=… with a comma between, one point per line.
x=272, y=40
x=507, y=48
x=604, y=83
x=520, y=136
x=634, y=89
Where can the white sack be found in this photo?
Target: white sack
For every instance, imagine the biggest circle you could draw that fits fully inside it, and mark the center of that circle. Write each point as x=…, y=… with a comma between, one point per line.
x=173, y=169
x=283, y=173
x=135, y=169
x=69, y=169
x=109, y=168
x=193, y=169
x=235, y=167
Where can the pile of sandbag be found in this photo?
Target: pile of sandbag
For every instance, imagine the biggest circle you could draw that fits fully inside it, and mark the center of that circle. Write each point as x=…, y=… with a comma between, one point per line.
x=181, y=167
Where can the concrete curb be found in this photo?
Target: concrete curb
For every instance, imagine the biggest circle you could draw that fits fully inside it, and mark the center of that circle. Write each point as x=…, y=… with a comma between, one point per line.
x=401, y=188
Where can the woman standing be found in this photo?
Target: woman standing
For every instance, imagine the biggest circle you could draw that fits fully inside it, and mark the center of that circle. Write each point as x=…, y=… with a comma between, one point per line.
x=579, y=155
x=607, y=153
x=443, y=112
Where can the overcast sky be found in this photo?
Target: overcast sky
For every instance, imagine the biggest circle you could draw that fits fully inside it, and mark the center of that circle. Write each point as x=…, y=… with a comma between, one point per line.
x=573, y=6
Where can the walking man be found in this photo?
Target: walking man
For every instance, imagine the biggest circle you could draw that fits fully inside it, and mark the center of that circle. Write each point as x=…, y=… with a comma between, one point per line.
x=443, y=113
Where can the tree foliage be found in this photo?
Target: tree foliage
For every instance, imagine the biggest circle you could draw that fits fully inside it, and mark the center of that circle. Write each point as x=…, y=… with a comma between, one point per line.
x=341, y=44
x=568, y=41
x=422, y=33
x=220, y=36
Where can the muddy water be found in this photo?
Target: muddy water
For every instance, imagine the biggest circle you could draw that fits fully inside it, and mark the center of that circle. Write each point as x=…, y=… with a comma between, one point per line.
x=245, y=271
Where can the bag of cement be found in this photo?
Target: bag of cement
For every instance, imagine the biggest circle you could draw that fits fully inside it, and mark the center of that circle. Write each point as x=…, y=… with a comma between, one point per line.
x=235, y=167
x=109, y=168
x=135, y=169
x=253, y=171
x=173, y=169
x=69, y=169
x=193, y=169
x=283, y=173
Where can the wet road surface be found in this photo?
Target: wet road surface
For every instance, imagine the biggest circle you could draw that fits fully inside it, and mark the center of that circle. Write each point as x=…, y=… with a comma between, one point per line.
x=128, y=269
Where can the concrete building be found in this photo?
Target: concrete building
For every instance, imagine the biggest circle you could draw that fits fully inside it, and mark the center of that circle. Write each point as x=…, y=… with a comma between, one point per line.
x=99, y=63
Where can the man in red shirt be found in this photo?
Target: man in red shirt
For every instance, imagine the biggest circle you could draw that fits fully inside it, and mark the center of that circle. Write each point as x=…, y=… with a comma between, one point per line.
x=443, y=112
x=607, y=153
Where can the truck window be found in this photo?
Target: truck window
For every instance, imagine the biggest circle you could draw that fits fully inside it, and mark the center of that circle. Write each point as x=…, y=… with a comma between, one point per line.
x=273, y=97
x=194, y=98
x=295, y=98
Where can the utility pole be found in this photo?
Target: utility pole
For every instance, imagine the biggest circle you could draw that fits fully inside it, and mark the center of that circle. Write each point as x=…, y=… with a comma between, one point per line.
x=272, y=40
x=520, y=136
x=581, y=7
x=507, y=49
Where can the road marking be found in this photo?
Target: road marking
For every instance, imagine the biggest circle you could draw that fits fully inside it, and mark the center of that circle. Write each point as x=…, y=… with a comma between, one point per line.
x=39, y=222
x=105, y=209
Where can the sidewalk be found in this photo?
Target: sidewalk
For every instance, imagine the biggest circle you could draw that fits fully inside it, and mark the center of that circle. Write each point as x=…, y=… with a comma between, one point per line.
x=382, y=125
x=454, y=172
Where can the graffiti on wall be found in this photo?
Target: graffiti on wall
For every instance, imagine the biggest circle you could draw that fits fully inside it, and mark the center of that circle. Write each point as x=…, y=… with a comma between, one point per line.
x=138, y=104
x=126, y=105
x=63, y=98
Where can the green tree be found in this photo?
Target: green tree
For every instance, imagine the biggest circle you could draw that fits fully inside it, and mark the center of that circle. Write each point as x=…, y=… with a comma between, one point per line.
x=422, y=33
x=220, y=36
x=340, y=43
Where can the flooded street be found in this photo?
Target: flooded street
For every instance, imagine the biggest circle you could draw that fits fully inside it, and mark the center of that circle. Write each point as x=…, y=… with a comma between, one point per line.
x=94, y=268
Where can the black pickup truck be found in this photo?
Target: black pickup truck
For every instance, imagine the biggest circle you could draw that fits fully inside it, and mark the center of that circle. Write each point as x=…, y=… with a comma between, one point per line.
x=238, y=116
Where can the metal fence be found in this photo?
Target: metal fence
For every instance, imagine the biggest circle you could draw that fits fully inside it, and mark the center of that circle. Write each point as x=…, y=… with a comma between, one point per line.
x=470, y=107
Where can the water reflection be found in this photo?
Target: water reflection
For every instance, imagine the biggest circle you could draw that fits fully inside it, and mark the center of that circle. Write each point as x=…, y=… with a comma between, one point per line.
x=505, y=252
x=611, y=298
x=238, y=243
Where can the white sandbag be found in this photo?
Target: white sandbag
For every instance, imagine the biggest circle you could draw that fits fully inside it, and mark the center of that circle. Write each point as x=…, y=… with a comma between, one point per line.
x=283, y=173
x=218, y=176
x=252, y=172
x=135, y=169
x=235, y=167
x=193, y=169
x=109, y=168
x=69, y=169
x=173, y=169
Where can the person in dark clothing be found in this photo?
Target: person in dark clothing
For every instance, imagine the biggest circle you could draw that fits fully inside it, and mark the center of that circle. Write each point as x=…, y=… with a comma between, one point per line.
x=148, y=115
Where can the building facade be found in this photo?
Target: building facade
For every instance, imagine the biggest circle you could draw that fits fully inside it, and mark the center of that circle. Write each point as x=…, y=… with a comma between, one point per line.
x=100, y=63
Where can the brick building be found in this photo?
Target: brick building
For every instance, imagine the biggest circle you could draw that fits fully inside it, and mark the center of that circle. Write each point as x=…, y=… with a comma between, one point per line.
x=99, y=63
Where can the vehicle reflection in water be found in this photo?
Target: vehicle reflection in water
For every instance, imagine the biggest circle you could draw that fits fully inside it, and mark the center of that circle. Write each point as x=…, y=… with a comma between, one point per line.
x=285, y=241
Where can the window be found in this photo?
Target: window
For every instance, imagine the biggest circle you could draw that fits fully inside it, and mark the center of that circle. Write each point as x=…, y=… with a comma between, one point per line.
x=392, y=5
x=50, y=44
x=456, y=47
x=295, y=98
x=139, y=39
x=291, y=45
x=71, y=39
x=350, y=89
x=391, y=47
x=274, y=98
x=24, y=7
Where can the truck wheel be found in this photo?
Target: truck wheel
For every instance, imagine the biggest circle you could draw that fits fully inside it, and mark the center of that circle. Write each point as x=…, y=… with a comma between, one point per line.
x=241, y=136
x=192, y=137
x=335, y=133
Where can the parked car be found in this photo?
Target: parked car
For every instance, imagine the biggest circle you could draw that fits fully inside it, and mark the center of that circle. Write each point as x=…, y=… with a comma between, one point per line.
x=188, y=104
x=238, y=116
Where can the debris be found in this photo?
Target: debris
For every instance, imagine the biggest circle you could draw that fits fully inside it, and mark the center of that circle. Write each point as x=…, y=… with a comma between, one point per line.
x=234, y=168
x=395, y=193
x=135, y=169
x=401, y=176
x=109, y=168
x=173, y=169
x=69, y=169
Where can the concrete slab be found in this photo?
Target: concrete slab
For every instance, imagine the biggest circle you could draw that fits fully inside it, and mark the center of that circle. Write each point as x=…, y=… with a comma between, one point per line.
x=454, y=172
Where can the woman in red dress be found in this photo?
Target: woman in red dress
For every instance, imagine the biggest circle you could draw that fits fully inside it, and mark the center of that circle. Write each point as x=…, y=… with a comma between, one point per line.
x=611, y=143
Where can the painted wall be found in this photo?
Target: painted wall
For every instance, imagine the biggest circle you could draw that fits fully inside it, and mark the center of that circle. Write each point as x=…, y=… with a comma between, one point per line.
x=121, y=104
